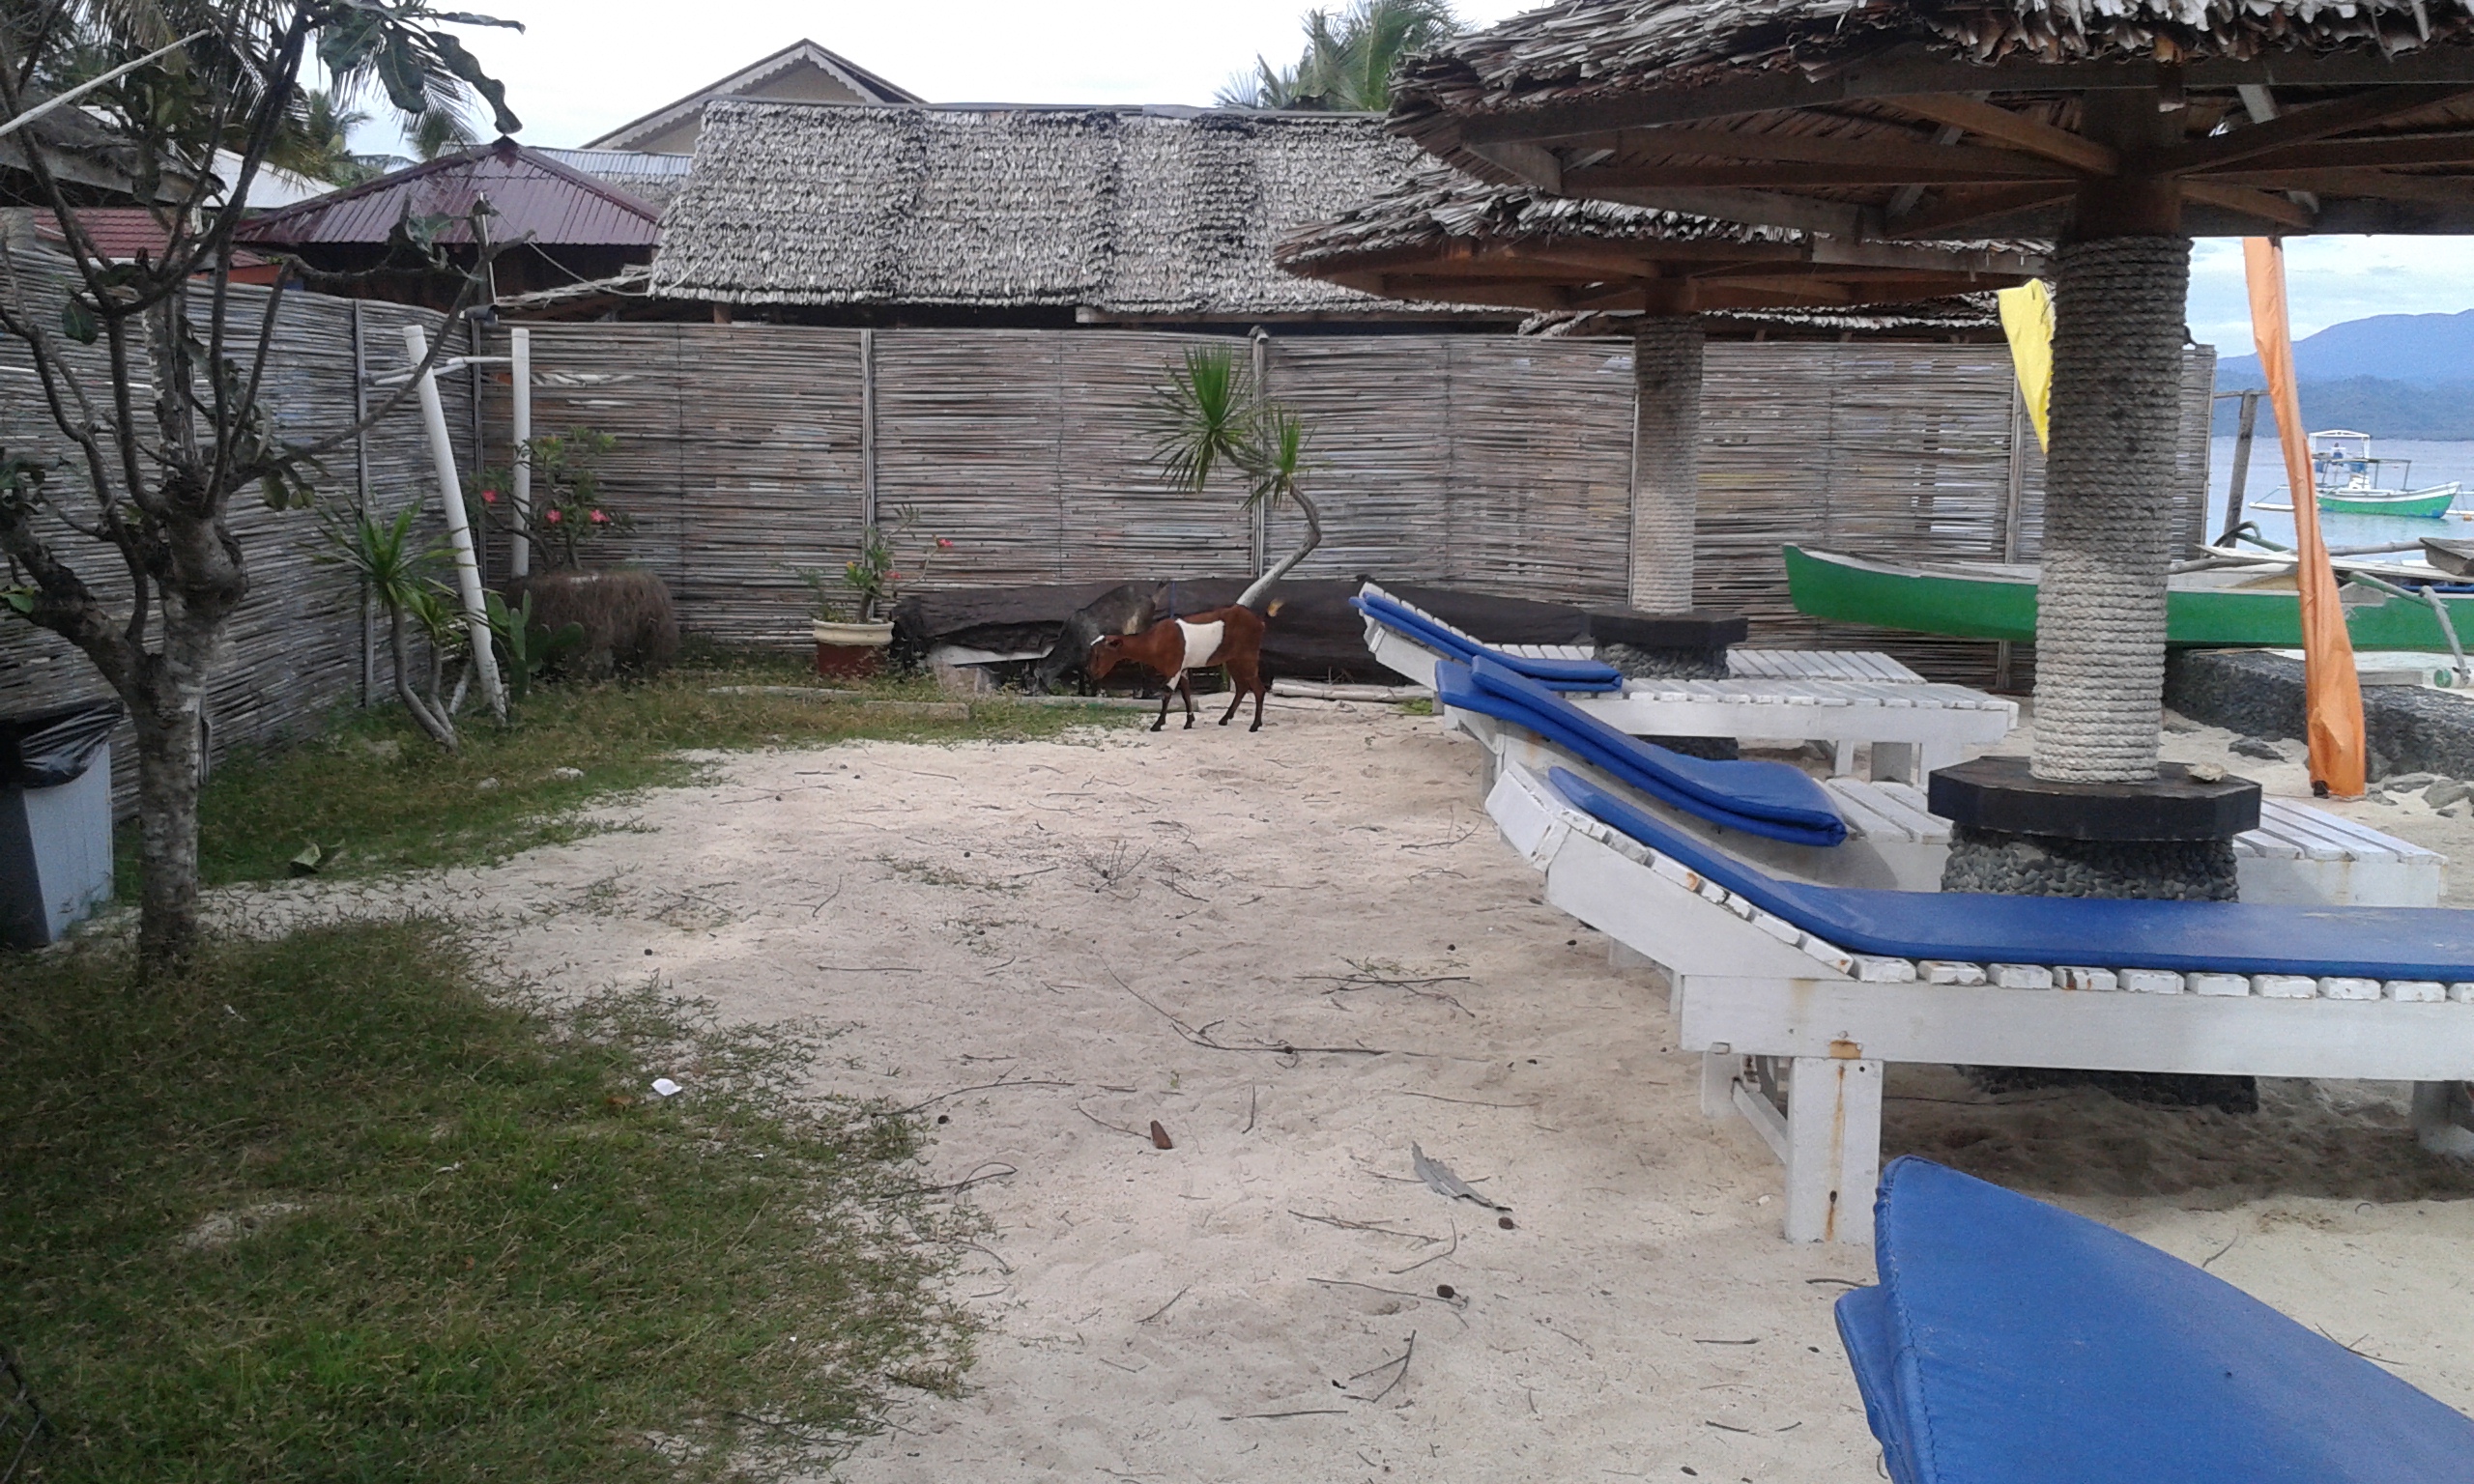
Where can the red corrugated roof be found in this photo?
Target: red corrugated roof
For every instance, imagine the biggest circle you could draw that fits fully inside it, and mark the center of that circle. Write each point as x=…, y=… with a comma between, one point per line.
x=532, y=195
x=119, y=232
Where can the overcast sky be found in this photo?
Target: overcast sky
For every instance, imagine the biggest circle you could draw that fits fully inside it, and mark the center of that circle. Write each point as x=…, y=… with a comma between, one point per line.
x=584, y=67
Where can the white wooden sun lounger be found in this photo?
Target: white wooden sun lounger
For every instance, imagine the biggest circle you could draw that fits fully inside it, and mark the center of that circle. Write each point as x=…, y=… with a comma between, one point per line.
x=1748, y=990
x=2298, y=856
x=1914, y=725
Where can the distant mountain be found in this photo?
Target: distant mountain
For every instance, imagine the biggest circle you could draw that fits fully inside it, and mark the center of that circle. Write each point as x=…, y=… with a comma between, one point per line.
x=2382, y=409
x=2419, y=349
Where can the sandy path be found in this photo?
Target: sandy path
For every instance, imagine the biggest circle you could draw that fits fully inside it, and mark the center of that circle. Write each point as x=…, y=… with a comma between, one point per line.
x=981, y=914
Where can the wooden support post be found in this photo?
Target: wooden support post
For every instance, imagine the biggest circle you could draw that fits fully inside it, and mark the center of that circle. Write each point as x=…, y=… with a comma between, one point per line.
x=1719, y=1070
x=2004, y=675
x=2241, y=476
x=520, y=434
x=867, y=428
x=472, y=372
x=1833, y=1149
x=361, y=502
x=1259, y=515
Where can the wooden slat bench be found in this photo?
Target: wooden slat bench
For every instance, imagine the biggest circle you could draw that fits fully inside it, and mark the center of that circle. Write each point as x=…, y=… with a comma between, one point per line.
x=1818, y=664
x=1914, y=725
x=2298, y=856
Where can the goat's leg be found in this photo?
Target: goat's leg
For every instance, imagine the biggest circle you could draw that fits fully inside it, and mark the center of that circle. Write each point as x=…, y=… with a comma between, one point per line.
x=1240, y=681
x=1262, y=688
x=1186, y=688
x=1165, y=696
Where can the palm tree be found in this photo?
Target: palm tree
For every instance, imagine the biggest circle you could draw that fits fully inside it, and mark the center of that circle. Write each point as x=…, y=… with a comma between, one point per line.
x=1212, y=415
x=1349, y=57
x=396, y=575
x=316, y=141
x=441, y=129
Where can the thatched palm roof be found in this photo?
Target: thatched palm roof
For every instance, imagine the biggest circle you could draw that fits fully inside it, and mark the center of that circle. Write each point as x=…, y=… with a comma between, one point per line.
x=1115, y=213
x=1581, y=49
x=1851, y=105
x=1445, y=235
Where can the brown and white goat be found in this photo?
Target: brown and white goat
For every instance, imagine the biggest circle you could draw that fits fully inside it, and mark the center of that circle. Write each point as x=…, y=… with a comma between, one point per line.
x=1227, y=638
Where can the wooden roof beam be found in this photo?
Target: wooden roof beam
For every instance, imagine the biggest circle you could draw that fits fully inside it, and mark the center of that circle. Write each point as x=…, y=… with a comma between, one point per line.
x=2264, y=205
x=1767, y=176
x=1800, y=212
x=2373, y=154
x=1993, y=261
x=1460, y=291
x=1960, y=207
x=1535, y=164
x=2379, y=184
x=2059, y=145
x=1890, y=147
x=2303, y=125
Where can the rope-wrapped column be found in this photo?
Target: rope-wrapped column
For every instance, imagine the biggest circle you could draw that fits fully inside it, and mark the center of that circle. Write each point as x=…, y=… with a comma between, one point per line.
x=2116, y=411
x=1666, y=460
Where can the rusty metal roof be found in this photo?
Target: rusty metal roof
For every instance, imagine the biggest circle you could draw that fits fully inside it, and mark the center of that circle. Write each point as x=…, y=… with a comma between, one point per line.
x=533, y=194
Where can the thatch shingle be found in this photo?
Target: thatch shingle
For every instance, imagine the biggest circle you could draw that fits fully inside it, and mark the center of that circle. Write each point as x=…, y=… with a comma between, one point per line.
x=1112, y=212
x=1580, y=48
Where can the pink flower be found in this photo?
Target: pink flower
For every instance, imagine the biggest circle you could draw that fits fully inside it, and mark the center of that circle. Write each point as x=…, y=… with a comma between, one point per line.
x=944, y=545
x=551, y=515
x=600, y=518
x=489, y=497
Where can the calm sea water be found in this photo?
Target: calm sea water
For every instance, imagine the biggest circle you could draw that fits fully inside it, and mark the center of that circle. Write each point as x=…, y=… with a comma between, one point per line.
x=2433, y=464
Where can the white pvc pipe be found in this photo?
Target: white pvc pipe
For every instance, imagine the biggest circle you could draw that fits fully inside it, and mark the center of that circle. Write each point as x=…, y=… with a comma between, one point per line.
x=520, y=560
x=459, y=531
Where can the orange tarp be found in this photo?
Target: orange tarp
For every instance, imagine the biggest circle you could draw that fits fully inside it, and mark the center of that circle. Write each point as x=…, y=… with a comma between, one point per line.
x=2331, y=692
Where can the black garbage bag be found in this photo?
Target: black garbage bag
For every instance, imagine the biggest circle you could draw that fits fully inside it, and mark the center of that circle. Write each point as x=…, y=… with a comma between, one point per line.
x=47, y=749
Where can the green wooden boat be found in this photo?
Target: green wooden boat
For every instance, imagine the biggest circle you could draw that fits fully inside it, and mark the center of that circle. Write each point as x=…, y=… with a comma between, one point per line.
x=2348, y=477
x=2238, y=608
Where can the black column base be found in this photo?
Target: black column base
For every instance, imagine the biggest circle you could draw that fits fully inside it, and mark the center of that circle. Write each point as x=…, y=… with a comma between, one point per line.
x=1672, y=646
x=2170, y=840
x=1644, y=662
x=2007, y=865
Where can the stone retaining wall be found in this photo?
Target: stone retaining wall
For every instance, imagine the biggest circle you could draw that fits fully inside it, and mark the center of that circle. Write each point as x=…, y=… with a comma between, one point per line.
x=2411, y=728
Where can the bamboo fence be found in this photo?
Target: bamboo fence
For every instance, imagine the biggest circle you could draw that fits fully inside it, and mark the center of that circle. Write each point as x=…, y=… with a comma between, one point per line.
x=298, y=647
x=750, y=452
x=1497, y=463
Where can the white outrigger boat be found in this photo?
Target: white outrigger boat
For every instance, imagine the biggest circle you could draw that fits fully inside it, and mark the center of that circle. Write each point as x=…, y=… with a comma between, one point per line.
x=2349, y=477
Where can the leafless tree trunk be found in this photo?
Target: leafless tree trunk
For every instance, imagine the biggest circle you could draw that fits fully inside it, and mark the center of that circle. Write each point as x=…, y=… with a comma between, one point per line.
x=172, y=425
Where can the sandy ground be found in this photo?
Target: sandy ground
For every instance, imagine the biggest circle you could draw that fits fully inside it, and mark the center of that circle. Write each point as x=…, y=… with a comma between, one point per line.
x=1053, y=945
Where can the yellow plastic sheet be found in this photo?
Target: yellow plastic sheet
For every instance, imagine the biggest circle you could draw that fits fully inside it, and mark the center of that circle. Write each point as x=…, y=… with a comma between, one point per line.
x=2027, y=318
x=2332, y=693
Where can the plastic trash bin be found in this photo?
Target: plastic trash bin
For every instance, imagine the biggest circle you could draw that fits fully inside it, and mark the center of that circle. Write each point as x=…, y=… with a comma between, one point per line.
x=56, y=820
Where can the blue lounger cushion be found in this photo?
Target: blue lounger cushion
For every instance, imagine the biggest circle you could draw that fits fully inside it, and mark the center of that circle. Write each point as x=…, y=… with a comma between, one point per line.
x=2014, y=1343
x=1768, y=799
x=2221, y=937
x=1563, y=674
x=1772, y=793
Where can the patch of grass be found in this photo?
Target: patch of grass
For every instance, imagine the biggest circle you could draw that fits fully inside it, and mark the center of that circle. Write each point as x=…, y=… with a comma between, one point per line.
x=373, y=788
x=1419, y=705
x=336, y=1208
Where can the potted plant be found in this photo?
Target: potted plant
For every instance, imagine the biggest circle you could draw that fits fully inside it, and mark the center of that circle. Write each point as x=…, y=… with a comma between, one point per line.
x=852, y=622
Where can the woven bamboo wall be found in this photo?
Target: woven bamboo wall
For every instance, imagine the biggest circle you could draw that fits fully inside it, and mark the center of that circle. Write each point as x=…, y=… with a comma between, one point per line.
x=1496, y=463
x=295, y=648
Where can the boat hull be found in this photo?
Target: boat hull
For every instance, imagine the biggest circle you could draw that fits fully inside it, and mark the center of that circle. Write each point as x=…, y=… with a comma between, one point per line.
x=1991, y=605
x=2428, y=505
